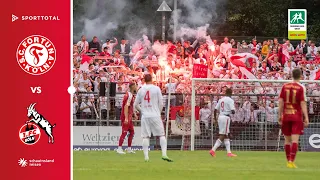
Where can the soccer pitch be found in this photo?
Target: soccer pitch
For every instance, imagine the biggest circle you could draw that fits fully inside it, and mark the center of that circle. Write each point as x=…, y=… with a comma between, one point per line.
x=102, y=165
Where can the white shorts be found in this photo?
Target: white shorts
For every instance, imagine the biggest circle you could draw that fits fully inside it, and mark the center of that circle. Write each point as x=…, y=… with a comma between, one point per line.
x=224, y=124
x=152, y=125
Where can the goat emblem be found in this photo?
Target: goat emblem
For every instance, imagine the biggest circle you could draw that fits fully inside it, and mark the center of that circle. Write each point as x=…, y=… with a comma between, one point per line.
x=40, y=121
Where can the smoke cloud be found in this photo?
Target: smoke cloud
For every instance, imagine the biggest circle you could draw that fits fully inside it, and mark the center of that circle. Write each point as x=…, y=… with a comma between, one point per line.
x=133, y=18
x=196, y=16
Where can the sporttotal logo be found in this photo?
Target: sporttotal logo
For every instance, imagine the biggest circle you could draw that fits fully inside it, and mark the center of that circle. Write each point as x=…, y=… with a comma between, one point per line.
x=36, y=55
x=297, y=17
x=29, y=134
x=314, y=141
x=14, y=18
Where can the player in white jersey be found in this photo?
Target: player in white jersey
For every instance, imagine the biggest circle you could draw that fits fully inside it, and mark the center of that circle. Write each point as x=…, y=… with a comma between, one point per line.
x=225, y=107
x=150, y=103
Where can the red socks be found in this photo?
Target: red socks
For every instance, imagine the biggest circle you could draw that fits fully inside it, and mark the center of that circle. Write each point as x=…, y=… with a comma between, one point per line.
x=291, y=151
x=130, y=139
x=294, y=149
x=122, y=137
x=287, y=149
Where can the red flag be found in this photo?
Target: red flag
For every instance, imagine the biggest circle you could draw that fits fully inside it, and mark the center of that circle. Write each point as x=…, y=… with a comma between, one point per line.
x=317, y=75
x=180, y=109
x=85, y=58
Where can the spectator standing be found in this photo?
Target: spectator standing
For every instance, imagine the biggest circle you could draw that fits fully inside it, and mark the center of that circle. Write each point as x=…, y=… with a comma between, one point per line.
x=94, y=45
x=225, y=47
x=180, y=49
x=119, y=99
x=83, y=45
x=84, y=80
x=287, y=51
x=124, y=48
x=110, y=45
x=302, y=47
x=205, y=115
x=312, y=51
x=85, y=108
x=238, y=116
x=171, y=87
x=254, y=46
x=188, y=49
x=265, y=48
x=271, y=113
x=75, y=107
x=277, y=47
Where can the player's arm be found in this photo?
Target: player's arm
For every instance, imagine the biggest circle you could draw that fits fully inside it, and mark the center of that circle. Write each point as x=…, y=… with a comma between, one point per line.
x=280, y=114
x=137, y=102
x=215, y=115
x=126, y=107
x=233, y=109
x=303, y=105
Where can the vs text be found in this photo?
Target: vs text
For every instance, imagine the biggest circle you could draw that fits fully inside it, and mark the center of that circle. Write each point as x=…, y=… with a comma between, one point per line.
x=36, y=90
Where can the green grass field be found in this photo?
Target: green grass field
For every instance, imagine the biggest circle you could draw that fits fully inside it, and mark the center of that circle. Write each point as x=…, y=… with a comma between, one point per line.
x=98, y=165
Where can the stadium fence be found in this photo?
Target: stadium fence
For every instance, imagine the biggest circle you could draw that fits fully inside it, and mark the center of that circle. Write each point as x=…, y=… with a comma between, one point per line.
x=185, y=133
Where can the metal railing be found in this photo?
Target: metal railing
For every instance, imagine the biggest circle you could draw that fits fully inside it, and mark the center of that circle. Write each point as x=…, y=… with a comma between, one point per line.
x=262, y=133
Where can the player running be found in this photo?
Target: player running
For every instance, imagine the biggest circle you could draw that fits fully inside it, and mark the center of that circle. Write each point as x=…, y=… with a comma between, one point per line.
x=149, y=103
x=126, y=119
x=226, y=107
x=293, y=115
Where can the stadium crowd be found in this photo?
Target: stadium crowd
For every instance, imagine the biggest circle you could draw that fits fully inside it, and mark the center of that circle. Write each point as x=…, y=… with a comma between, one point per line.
x=171, y=65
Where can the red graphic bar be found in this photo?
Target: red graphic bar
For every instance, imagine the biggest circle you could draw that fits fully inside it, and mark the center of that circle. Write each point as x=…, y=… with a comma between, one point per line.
x=36, y=52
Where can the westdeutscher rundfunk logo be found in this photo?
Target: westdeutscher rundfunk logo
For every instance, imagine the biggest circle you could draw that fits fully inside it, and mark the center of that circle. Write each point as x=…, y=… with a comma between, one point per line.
x=36, y=55
x=297, y=17
x=30, y=132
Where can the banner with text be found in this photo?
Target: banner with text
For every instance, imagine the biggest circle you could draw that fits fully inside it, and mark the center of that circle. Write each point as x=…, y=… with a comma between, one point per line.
x=102, y=136
x=200, y=71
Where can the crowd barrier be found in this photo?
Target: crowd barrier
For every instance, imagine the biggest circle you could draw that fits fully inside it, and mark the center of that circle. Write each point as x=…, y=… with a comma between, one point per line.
x=101, y=127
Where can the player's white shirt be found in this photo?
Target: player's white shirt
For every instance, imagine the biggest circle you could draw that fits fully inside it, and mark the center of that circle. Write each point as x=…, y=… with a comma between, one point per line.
x=225, y=106
x=149, y=98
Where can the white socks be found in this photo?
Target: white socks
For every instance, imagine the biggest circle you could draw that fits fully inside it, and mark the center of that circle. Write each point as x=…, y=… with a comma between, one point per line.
x=216, y=145
x=163, y=144
x=145, y=147
x=227, y=144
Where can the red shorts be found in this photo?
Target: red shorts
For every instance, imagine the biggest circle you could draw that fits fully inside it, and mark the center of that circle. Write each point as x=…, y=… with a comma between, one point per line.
x=128, y=127
x=292, y=127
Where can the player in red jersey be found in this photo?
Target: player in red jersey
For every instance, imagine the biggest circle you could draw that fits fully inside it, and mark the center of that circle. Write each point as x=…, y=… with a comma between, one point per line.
x=293, y=115
x=126, y=119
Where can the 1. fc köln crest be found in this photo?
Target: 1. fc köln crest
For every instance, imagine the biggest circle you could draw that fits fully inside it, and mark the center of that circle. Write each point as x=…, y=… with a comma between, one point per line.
x=30, y=132
x=36, y=55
